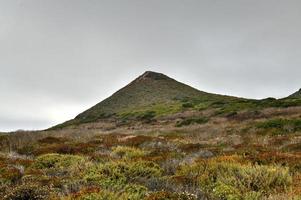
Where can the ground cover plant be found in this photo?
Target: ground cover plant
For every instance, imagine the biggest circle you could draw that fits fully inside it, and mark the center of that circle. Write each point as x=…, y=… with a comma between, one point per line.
x=152, y=167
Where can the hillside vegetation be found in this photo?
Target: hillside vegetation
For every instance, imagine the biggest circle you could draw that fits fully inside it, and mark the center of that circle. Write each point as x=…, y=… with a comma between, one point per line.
x=158, y=139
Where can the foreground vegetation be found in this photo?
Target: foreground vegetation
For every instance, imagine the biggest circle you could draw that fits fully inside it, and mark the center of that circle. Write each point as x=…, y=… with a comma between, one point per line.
x=152, y=167
x=236, y=150
x=232, y=151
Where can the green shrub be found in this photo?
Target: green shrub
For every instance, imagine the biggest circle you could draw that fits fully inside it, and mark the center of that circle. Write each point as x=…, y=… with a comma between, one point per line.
x=144, y=169
x=58, y=161
x=189, y=121
x=164, y=195
x=187, y=105
x=135, y=192
x=26, y=150
x=232, y=180
x=128, y=152
x=28, y=192
x=103, y=195
x=130, y=192
x=118, y=174
x=279, y=126
x=147, y=115
x=225, y=191
x=111, y=174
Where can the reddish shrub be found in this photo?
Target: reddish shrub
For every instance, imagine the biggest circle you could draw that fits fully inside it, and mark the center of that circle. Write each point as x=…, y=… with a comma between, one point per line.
x=52, y=140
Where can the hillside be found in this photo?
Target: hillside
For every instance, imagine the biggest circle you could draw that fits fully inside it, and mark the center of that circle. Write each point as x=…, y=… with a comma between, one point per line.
x=148, y=89
x=149, y=95
x=153, y=96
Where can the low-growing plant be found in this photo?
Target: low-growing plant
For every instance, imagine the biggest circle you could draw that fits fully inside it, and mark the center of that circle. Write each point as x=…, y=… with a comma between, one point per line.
x=130, y=192
x=57, y=161
x=9, y=174
x=193, y=120
x=234, y=180
x=165, y=195
x=28, y=192
x=118, y=174
x=103, y=195
x=128, y=152
x=280, y=126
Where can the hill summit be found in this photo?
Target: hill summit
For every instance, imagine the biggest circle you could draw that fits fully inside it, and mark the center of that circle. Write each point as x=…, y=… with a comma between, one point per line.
x=149, y=89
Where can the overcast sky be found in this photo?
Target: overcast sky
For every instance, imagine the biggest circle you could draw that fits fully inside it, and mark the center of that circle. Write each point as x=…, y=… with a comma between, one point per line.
x=60, y=57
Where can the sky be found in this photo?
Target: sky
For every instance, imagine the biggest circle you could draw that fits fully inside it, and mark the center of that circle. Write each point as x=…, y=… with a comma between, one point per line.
x=60, y=57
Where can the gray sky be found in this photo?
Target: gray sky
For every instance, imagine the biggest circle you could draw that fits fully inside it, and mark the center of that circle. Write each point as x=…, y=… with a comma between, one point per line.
x=60, y=57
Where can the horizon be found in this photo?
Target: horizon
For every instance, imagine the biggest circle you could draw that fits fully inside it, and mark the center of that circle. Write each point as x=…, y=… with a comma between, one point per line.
x=60, y=57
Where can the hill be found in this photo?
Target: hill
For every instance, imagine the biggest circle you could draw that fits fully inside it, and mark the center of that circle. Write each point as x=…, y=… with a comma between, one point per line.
x=151, y=94
x=148, y=89
x=154, y=95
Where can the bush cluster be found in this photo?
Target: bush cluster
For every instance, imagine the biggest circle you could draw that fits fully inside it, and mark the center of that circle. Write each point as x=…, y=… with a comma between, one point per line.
x=126, y=152
x=194, y=120
x=280, y=126
x=230, y=179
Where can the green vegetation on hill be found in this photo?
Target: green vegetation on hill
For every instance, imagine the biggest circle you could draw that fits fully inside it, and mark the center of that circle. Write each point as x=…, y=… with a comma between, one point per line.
x=151, y=92
x=153, y=95
x=147, y=90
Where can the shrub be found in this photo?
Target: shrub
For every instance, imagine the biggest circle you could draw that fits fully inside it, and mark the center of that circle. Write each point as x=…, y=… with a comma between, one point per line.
x=189, y=121
x=130, y=192
x=103, y=195
x=163, y=195
x=233, y=180
x=9, y=174
x=135, y=192
x=64, y=148
x=128, y=152
x=136, y=140
x=52, y=140
x=118, y=174
x=57, y=161
x=26, y=150
x=187, y=105
x=284, y=159
x=144, y=169
x=26, y=192
x=111, y=174
x=147, y=116
x=281, y=125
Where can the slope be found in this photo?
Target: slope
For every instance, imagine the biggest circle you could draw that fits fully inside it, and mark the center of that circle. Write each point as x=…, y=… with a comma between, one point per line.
x=150, y=91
